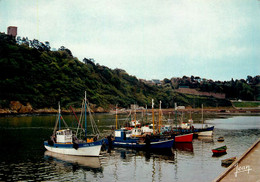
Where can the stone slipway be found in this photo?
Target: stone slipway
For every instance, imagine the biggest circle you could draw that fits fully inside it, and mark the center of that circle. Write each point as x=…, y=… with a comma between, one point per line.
x=246, y=168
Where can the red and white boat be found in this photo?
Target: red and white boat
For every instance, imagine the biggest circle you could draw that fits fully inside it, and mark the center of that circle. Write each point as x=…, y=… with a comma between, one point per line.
x=184, y=138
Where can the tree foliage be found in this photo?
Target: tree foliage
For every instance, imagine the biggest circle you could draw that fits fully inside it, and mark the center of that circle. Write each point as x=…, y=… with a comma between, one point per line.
x=30, y=72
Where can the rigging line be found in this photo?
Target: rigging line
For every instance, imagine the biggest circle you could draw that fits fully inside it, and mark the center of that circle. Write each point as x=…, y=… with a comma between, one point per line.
x=93, y=123
x=64, y=122
x=56, y=125
x=92, y=120
x=88, y=109
x=80, y=118
x=78, y=125
x=128, y=117
x=76, y=117
x=95, y=126
x=97, y=130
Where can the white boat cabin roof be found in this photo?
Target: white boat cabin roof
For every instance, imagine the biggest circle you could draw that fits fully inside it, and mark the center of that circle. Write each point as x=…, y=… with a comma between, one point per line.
x=64, y=132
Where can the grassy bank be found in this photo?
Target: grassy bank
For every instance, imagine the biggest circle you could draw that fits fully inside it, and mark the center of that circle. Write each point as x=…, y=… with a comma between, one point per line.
x=246, y=104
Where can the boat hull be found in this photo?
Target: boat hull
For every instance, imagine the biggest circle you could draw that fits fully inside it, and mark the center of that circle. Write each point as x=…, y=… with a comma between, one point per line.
x=195, y=130
x=184, y=138
x=219, y=151
x=83, y=149
x=205, y=133
x=162, y=144
x=227, y=162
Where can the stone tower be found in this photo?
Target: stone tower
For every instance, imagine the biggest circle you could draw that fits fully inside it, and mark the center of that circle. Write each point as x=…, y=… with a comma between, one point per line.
x=11, y=30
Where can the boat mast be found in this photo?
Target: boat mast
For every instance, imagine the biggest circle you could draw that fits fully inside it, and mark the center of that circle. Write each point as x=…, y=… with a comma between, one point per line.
x=160, y=110
x=59, y=115
x=153, y=115
x=146, y=112
x=116, y=116
x=142, y=117
x=202, y=114
x=85, y=114
x=130, y=117
x=175, y=104
x=135, y=115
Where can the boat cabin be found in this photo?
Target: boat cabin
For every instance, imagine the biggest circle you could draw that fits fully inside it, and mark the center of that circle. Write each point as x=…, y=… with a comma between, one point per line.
x=64, y=136
x=136, y=132
x=147, y=129
x=166, y=128
x=135, y=123
x=122, y=134
x=186, y=125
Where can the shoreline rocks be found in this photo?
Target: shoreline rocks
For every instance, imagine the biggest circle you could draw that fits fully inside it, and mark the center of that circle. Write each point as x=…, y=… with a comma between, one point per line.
x=17, y=108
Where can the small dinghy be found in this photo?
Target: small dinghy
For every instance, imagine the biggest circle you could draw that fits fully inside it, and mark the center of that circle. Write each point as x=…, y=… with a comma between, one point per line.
x=228, y=162
x=220, y=150
x=220, y=139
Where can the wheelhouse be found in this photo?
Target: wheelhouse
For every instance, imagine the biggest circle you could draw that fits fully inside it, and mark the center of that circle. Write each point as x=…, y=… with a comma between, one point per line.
x=64, y=136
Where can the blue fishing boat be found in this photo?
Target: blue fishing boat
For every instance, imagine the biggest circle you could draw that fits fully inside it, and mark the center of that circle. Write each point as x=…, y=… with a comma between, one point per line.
x=123, y=139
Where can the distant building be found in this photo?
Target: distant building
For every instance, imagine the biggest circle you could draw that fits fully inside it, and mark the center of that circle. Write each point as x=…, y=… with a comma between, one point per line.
x=156, y=81
x=149, y=82
x=11, y=30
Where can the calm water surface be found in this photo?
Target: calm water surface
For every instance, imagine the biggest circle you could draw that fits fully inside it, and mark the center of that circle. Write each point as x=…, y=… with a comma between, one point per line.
x=23, y=156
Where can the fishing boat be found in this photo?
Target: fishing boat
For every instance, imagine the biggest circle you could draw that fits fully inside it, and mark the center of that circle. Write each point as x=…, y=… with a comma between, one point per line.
x=207, y=131
x=143, y=131
x=136, y=137
x=184, y=137
x=65, y=141
x=187, y=127
x=228, y=162
x=123, y=138
x=220, y=150
x=178, y=136
x=147, y=129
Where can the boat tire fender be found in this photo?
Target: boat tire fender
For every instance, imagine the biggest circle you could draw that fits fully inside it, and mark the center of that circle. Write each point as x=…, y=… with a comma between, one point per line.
x=75, y=145
x=147, y=141
x=50, y=142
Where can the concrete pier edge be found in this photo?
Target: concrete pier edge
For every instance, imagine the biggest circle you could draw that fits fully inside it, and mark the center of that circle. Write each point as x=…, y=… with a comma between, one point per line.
x=235, y=163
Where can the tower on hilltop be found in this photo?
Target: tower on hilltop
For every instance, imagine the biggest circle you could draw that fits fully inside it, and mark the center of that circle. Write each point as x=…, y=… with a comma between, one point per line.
x=12, y=30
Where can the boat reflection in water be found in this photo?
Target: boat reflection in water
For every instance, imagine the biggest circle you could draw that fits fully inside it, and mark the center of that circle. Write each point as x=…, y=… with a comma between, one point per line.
x=77, y=162
x=206, y=139
x=188, y=147
x=126, y=154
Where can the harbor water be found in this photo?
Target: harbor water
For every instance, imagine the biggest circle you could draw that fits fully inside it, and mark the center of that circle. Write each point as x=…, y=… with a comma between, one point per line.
x=24, y=158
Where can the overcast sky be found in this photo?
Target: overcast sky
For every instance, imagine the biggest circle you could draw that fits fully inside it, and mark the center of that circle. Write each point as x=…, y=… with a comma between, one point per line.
x=216, y=39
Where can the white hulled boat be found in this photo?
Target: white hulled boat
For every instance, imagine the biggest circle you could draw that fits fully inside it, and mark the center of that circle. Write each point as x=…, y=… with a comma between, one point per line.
x=64, y=141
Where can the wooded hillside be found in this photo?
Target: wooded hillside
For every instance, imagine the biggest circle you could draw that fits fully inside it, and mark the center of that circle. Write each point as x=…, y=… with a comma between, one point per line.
x=34, y=74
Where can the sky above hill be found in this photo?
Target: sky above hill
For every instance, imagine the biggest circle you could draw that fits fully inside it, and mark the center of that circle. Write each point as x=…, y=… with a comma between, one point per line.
x=150, y=39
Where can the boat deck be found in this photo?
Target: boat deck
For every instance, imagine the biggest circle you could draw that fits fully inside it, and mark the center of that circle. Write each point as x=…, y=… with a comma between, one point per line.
x=245, y=168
